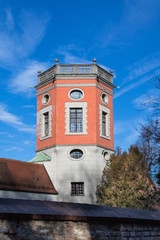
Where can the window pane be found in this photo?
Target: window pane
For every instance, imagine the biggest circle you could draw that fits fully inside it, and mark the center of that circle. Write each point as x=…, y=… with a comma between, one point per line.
x=76, y=153
x=76, y=94
x=76, y=120
x=104, y=123
x=77, y=189
x=46, y=123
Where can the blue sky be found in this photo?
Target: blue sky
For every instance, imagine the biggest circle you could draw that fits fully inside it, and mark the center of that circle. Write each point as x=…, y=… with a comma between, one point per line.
x=123, y=35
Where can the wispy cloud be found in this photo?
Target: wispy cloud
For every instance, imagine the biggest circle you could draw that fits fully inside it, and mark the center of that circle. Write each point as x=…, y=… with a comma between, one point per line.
x=70, y=52
x=28, y=106
x=129, y=87
x=139, y=72
x=13, y=149
x=142, y=67
x=27, y=142
x=6, y=134
x=20, y=35
x=126, y=132
x=144, y=100
x=14, y=121
x=26, y=78
x=136, y=15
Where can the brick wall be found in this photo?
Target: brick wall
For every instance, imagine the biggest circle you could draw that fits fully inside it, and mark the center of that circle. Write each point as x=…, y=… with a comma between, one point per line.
x=72, y=230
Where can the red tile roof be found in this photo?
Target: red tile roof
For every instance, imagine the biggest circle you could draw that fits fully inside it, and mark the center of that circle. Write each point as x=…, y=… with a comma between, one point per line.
x=23, y=176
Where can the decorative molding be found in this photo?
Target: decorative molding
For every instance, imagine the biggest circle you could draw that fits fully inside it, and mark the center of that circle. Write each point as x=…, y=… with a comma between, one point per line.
x=76, y=145
x=75, y=85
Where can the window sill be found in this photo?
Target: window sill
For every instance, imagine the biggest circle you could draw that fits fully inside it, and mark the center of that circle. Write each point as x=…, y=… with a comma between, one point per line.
x=45, y=137
x=78, y=195
x=76, y=133
x=106, y=137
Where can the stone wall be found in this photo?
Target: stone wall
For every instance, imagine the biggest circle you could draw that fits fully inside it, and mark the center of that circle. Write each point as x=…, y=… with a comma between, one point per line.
x=47, y=220
x=72, y=230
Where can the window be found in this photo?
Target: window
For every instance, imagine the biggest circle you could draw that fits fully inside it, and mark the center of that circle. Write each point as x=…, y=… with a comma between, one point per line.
x=45, y=99
x=76, y=120
x=77, y=189
x=76, y=94
x=104, y=98
x=76, y=153
x=45, y=122
x=104, y=132
x=104, y=122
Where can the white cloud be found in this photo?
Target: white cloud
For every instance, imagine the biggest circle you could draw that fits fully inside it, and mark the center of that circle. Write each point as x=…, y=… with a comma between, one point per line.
x=20, y=35
x=6, y=134
x=14, y=121
x=131, y=86
x=9, y=118
x=28, y=106
x=126, y=132
x=69, y=58
x=26, y=78
x=143, y=66
x=27, y=142
x=144, y=100
x=135, y=15
x=13, y=149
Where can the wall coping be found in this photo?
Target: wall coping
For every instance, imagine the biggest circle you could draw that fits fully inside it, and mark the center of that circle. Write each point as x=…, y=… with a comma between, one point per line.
x=67, y=211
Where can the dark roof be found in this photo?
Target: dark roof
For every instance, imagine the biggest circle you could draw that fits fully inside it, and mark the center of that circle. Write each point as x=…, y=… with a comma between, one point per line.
x=47, y=210
x=23, y=176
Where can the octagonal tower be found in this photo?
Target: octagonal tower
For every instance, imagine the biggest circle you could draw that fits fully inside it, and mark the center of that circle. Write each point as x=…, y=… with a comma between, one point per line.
x=75, y=127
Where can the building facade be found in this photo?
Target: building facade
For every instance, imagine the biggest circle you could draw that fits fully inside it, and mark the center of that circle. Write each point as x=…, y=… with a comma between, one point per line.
x=75, y=127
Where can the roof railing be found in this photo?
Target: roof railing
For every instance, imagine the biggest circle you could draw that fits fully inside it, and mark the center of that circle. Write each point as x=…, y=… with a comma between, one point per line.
x=75, y=69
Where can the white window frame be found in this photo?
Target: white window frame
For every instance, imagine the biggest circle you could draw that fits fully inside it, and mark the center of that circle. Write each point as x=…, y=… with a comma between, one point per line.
x=68, y=106
x=42, y=127
x=107, y=111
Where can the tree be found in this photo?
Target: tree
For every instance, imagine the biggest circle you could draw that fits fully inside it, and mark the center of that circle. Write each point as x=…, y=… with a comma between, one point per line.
x=126, y=181
x=149, y=141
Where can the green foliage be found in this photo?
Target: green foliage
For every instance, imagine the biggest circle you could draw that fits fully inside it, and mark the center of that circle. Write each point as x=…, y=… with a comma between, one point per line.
x=126, y=181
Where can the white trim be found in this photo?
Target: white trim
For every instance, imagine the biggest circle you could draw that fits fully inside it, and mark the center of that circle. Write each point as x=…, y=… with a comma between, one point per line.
x=74, y=89
x=42, y=112
x=69, y=105
x=107, y=111
x=44, y=104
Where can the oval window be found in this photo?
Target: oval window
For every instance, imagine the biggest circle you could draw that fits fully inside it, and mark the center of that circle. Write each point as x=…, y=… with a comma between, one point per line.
x=104, y=98
x=106, y=155
x=76, y=153
x=45, y=99
x=76, y=94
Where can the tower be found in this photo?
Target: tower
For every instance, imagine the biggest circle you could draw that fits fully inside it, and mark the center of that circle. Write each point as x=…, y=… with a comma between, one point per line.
x=75, y=127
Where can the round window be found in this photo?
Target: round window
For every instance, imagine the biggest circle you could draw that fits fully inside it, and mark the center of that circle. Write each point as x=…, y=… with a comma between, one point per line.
x=76, y=94
x=104, y=98
x=76, y=153
x=45, y=99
